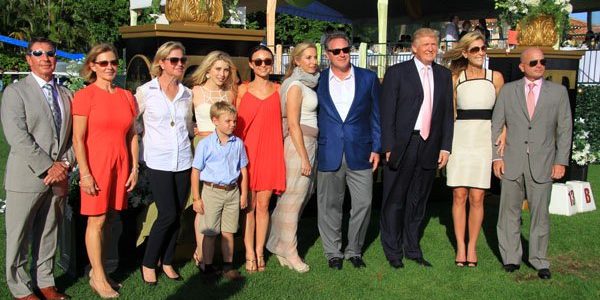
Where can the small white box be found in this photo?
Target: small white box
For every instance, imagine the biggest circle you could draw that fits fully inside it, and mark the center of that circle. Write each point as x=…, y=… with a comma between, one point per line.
x=584, y=198
x=562, y=201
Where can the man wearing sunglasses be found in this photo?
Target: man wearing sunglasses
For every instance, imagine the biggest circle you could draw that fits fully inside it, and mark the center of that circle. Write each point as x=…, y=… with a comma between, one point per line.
x=417, y=128
x=348, y=150
x=537, y=116
x=36, y=118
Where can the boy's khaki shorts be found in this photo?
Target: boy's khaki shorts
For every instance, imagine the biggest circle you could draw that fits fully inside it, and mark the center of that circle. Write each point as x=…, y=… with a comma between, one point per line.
x=221, y=210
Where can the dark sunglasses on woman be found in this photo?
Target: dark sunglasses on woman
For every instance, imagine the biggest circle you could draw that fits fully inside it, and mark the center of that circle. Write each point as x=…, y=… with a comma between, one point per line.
x=475, y=50
x=258, y=62
x=175, y=60
x=105, y=63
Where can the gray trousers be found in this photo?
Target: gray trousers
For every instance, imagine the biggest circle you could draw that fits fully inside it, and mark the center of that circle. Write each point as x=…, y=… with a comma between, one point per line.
x=509, y=227
x=331, y=188
x=31, y=220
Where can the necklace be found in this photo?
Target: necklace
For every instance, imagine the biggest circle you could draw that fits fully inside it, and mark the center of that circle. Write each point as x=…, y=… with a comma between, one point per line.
x=172, y=112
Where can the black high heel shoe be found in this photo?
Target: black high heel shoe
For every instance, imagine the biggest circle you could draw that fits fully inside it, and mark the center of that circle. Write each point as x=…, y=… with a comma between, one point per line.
x=150, y=283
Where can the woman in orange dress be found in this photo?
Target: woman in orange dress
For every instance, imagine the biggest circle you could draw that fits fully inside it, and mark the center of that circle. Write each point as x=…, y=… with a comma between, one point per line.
x=259, y=126
x=106, y=148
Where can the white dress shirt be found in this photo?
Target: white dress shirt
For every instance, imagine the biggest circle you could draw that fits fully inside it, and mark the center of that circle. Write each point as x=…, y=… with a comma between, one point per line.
x=420, y=67
x=42, y=82
x=165, y=147
x=341, y=91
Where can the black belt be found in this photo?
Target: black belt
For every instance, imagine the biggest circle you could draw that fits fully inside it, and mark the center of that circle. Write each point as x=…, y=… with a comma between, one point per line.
x=225, y=187
x=473, y=114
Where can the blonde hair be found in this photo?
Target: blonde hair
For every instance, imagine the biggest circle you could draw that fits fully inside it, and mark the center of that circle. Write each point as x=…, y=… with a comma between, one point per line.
x=454, y=57
x=162, y=53
x=86, y=71
x=199, y=76
x=423, y=32
x=222, y=107
x=297, y=54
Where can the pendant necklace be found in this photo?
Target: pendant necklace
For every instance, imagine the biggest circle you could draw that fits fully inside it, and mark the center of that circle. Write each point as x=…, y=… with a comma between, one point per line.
x=173, y=113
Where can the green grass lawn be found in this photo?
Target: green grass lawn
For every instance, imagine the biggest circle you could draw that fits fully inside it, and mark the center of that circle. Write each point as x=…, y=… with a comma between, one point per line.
x=574, y=253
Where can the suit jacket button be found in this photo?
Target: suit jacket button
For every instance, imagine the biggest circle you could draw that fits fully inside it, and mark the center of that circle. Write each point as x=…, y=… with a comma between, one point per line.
x=525, y=142
x=529, y=127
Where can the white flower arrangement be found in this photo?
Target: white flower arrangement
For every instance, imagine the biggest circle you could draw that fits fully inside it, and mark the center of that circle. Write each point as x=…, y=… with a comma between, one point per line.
x=581, y=153
x=513, y=11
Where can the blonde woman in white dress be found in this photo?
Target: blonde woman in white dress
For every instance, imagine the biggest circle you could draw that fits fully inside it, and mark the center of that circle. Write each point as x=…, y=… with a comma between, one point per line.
x=214, y=80
x=470, y=164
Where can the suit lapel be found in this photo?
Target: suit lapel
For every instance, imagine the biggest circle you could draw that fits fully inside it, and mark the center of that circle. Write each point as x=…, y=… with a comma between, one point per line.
x=539, y=106
x=522, y=98
x=357, y=83
x=66, y=116
x=415, y=79
x=328, y=101
x=437, y=80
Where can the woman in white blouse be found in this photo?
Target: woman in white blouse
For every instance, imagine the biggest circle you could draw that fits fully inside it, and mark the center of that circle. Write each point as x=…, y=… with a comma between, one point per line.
x=166, y=110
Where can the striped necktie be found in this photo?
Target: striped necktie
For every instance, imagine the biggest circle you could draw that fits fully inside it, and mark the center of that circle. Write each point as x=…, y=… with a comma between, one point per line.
x=54, y=107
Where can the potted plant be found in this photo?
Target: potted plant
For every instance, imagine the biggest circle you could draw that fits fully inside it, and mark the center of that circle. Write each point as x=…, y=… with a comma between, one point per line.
x=581, y=155
x=539, y=22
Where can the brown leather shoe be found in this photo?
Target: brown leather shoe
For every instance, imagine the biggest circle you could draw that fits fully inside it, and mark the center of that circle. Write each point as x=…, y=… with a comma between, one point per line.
x=232, y=275
x=29, y=297
x=51, y=293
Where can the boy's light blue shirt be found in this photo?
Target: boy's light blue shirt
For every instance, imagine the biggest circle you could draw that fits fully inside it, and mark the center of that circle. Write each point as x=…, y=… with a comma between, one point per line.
x=220, y=164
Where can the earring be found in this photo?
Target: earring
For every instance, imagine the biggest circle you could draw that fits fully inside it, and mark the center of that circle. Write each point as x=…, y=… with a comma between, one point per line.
x=207, y=75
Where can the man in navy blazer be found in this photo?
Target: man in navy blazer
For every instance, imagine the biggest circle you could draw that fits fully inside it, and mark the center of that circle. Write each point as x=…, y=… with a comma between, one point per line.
x=417, y=121
x=348, y=151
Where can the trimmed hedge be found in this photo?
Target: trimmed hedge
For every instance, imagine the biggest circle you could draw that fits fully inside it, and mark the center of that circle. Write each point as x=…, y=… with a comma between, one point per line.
x=588, y=107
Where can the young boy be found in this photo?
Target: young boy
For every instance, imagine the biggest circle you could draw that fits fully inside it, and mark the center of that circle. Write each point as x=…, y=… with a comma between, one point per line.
x=220, y=159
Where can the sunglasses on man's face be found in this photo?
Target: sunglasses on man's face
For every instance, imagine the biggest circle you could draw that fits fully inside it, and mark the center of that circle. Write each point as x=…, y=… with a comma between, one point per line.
x=38, y=53
x=258, y=62
x=476, y=50
x=533, y=63
x=175, y=60
x=337, y=51
x=105, y=63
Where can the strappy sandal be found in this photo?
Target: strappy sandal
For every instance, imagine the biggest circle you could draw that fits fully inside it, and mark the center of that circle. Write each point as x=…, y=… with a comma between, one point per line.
x=251, y=266
x=261, y=263
x=471, y=264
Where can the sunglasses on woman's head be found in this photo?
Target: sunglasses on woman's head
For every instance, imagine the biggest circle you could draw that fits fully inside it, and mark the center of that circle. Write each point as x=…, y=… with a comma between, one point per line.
x=258, y=62
x=38, y=53
x=346, y=50
x=533, y=63
x=475, y=50
x=105, y=63
x=175, y=60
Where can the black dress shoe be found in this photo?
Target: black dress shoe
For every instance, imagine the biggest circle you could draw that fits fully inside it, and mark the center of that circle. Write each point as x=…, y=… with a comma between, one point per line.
x=396, y=263
x=421, y=261
x=511, y=267
x=544, y=273
x=357, y=262
x=336, y=263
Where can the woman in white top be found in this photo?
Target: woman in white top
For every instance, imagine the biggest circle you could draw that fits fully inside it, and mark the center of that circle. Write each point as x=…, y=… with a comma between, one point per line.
x=166, y=110
x=299, y=111
x=470, y=164
x=214, y=80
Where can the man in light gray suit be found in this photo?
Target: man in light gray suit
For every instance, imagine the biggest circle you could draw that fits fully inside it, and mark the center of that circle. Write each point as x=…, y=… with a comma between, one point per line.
x=537, y=117
x=36, y=118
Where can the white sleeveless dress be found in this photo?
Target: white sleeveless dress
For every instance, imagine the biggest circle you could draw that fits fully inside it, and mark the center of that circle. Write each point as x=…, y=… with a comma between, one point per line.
x=470, y=163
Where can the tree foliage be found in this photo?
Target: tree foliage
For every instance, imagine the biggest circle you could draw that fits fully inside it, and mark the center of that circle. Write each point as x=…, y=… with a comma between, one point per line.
x=74, y=25
x=290, y=30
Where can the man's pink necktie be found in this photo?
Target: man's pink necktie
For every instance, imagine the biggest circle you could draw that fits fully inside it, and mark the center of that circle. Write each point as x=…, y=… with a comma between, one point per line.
x=426, y=117
x=531, y=100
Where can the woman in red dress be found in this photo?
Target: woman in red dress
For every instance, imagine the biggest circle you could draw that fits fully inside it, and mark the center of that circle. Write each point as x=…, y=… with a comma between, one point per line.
x=259, y=126
x=106, y=148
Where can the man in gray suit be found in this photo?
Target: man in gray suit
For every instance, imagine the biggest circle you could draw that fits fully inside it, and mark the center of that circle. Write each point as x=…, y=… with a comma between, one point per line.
x=36, y=118
x=537, y=117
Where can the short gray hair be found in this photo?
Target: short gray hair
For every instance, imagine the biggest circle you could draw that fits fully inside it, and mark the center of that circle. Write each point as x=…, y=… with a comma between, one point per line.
x=335, y=35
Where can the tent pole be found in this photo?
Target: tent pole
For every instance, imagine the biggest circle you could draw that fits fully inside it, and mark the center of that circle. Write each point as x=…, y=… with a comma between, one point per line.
x=271, y=7
x=382, y=18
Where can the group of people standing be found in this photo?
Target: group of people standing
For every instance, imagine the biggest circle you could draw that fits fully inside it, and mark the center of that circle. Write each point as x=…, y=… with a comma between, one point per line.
x=259, y=138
